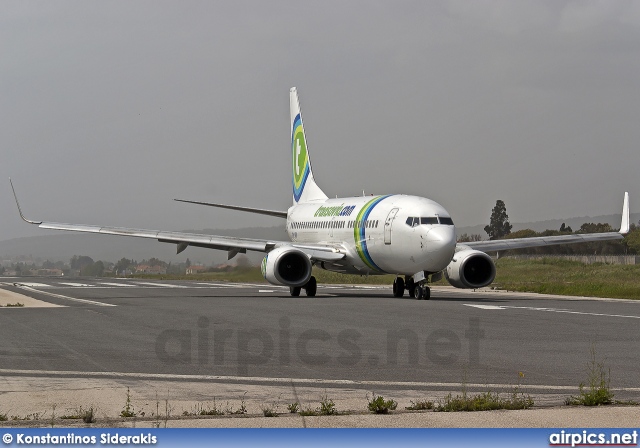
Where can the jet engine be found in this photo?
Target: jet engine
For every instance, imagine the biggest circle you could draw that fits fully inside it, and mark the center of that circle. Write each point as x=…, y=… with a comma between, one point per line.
x=286, y=266
x=470, y=269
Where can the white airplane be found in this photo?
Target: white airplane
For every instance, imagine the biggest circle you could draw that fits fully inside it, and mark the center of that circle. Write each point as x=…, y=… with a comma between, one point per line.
x=409, y=236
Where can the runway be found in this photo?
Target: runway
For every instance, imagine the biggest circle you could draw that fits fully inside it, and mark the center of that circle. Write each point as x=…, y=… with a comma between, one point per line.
x=359, y=337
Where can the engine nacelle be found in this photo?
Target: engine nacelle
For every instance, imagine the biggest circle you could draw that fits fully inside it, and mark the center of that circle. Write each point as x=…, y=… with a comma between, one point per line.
x=470, y=269
x=286, y=266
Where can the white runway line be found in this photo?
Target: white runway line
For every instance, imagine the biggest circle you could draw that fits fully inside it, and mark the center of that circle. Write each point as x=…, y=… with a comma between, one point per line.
x=485, y=307
x=220, y=285
x=160, y=285
x=549, y=310
x=60, y=296
x=33, y=285
x=265, y=290
x=77, y=285
x=123, y=285
x=313, y=381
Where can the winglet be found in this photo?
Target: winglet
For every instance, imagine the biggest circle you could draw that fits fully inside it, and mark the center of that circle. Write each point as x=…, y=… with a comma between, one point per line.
x=20, y=210
x=624, y=225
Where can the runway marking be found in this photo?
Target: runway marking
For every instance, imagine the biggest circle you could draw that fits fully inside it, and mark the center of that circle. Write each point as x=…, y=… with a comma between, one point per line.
x=313, y=381
x=124, y=285
x=265, y=290
x=216, y=285
x=33, y=285
x=77, y=285
x=161, y=285
x=60, y=296
x=550, y=310
x=486, y=307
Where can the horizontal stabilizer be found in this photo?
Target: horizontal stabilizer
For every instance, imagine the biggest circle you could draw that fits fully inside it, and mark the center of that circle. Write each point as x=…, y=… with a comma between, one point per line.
x=259, y=211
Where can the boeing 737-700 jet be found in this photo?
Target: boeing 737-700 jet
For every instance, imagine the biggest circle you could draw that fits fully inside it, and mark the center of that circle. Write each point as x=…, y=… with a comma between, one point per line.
x=409, y=236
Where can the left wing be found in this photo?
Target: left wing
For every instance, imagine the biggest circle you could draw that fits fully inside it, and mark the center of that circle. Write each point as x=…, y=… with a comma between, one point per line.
x=234, y=246
x=520, y=243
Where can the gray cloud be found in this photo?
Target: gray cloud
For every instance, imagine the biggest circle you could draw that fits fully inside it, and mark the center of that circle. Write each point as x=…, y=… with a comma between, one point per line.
x=111, y=109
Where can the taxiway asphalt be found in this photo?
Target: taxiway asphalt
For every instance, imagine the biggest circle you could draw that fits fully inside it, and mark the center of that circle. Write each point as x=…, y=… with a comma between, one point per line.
x=347, y=337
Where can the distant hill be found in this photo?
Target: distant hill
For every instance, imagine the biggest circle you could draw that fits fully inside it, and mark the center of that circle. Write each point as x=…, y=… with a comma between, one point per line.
x=553, y=224
x=63, y=246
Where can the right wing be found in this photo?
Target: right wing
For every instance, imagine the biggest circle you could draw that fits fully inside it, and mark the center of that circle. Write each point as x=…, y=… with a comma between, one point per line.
x=233, y=245
x=520, y=243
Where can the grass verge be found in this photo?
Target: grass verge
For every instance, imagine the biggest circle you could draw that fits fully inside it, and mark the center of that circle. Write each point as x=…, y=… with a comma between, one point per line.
x=485, y=401
x=597, y=392
x=571, y=278
x=546, y=276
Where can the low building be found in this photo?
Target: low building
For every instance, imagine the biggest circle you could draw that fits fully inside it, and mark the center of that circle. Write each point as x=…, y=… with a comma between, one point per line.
x=49, y=272
x=154, y=270
x=196, y=269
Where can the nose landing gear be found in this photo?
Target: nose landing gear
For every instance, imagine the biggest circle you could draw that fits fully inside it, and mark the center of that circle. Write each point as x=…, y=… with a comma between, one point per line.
x=422, y=292
x=417, y=289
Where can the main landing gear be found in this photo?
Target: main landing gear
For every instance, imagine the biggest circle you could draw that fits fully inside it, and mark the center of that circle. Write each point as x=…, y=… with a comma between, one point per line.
x=417, y=290
x=310, y=288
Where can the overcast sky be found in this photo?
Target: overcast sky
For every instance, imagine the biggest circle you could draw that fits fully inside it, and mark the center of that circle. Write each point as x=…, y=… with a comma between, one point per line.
x=110, y=110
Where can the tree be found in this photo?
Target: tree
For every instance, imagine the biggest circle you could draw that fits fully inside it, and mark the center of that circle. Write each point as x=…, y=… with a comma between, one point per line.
x=499, y=222
x=589, y=227
x=464, y=238
x=80, y=262
x=243, y=262
x=632, y=240
x=565, y=228
x=123, y=265
x=155, y=262
x=93, y=270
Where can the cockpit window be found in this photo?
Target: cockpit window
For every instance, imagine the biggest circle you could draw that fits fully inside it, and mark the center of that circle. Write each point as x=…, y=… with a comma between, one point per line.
x=410, y=221
x=429, y=220
x=446, y=221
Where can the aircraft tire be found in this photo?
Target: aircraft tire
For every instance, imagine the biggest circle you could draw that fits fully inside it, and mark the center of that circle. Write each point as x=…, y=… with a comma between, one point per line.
x=398, y=287
x=411, y=286
x=418, y=292
x=294, y=291
x=427, y=293
x=311, y=287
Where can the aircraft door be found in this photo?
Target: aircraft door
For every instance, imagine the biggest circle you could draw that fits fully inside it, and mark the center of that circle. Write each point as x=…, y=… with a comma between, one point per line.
x=387, y=225
x=331, y=226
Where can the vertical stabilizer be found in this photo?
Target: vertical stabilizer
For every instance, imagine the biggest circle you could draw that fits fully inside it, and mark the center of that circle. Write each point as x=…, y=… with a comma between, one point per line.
x=304, y=186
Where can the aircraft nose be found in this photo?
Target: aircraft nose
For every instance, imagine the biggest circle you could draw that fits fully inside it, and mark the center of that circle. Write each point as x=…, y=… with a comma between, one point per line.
x=441, y=239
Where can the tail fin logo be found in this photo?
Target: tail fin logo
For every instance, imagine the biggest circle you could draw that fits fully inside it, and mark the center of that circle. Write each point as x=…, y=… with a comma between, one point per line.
x=300, y=158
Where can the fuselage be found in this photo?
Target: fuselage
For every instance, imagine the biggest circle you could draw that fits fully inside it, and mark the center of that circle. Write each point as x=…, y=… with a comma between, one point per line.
x=394, y=234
